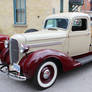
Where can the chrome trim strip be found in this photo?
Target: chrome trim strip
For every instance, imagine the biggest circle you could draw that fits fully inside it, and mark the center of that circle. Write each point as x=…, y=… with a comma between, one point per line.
x=43, y=44
x=10, y=51
x=49, y=38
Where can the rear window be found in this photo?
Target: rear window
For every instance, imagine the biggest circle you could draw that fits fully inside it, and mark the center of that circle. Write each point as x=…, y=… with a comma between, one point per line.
x=79, y=25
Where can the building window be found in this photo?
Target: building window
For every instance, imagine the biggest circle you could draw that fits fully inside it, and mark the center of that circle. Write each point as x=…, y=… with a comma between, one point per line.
x=20, y=12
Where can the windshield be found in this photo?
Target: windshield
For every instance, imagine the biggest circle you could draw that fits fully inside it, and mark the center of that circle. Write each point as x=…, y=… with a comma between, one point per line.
x=56, y=23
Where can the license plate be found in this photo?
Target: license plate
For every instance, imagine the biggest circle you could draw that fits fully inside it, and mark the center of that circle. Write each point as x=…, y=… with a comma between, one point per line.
x=16, y=67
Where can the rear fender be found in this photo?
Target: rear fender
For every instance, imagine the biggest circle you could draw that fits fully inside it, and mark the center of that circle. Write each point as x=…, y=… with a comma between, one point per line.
x=31, y=62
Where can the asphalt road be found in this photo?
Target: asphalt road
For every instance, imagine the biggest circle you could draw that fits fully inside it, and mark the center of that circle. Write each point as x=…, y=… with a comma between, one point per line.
x=78, y=80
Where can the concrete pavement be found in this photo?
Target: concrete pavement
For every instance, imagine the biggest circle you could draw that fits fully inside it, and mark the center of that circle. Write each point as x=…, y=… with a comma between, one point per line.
x=78, y=80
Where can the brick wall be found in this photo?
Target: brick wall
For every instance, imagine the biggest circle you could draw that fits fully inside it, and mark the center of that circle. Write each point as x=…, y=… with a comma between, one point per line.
x=86, y=6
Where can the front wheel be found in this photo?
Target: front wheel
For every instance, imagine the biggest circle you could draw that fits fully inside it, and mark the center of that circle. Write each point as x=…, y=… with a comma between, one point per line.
x=46, y=75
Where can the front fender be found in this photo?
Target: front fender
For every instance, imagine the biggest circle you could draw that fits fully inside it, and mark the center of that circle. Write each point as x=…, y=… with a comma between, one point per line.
x=5, y=59
x=2, y=39
x=31, y=62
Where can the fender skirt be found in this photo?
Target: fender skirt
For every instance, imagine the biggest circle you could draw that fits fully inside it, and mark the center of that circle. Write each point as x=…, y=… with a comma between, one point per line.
x=31, y=62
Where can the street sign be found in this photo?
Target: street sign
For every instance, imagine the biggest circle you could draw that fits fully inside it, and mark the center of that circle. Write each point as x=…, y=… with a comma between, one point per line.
x=76, y=2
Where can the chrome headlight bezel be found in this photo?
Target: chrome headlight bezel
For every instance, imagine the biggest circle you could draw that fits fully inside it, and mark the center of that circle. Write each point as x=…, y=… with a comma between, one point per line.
x=6, y=43
x=23, y=48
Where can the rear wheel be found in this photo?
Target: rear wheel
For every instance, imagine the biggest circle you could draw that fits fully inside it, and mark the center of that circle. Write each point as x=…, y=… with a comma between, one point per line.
x=46, y=75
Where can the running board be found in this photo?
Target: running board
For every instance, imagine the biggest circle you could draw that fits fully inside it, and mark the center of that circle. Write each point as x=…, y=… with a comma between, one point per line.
x=84, y=60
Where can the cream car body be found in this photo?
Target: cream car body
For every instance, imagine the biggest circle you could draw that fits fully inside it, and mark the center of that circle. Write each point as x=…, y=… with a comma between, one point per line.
x=65, y=40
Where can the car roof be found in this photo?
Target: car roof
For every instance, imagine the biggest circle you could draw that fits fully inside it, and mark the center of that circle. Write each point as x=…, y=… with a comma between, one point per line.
x=69, y=15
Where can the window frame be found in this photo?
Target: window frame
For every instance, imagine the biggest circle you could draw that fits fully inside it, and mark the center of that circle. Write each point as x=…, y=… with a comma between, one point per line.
x=56, y=19
x=15, y=22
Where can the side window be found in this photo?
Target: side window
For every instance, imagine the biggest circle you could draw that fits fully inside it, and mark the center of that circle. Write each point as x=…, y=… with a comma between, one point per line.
x=79, y=25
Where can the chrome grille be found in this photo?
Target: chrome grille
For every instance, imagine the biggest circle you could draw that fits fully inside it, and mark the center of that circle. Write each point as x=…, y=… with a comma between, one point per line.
x=14, y=51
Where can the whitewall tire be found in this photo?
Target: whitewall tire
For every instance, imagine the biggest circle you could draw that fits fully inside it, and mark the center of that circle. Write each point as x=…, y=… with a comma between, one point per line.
x=46, y=74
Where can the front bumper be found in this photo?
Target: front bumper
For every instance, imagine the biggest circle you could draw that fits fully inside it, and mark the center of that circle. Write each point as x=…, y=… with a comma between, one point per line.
x=4, y=69
x=17, y=77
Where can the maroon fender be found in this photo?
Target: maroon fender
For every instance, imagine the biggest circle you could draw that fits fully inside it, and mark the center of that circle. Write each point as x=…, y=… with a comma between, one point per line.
x=2, y=39
x=30, y=63
x=5, y=56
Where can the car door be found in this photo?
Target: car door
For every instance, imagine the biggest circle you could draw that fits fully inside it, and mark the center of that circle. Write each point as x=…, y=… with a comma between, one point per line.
x=79, y=37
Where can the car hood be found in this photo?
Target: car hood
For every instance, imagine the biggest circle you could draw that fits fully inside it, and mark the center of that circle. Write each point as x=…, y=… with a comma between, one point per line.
x=40, y=35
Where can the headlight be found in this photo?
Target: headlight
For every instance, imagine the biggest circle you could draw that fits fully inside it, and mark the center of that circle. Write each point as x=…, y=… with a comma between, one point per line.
x=23, y=49
x=6, y=44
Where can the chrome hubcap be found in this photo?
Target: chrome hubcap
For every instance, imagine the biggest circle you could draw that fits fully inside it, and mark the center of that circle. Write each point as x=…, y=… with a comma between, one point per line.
x=46, y=74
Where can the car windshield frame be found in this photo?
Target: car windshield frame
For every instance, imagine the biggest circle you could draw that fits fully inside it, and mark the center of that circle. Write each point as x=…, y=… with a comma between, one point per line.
x=56, y=19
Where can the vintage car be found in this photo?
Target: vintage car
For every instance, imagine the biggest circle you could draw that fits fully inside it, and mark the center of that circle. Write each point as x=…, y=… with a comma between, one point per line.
x=64, y=44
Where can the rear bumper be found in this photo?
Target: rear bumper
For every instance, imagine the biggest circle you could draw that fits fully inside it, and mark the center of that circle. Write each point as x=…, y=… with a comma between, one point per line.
x=12, y=74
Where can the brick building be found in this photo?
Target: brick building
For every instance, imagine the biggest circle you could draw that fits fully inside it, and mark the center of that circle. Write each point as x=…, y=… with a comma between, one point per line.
x=87, y=6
